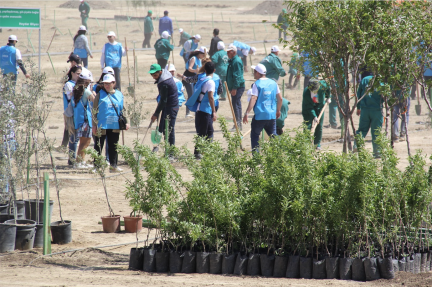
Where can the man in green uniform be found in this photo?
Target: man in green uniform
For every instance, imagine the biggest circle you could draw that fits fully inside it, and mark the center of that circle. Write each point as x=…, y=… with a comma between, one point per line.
x=314, y=97
x=183, y=37
x=282, y=22
x=370, y=111
x=293, y=72
x=163, y=49
x=148, y=29
x=235, y=82
x=273, y=64
x=280, y=122
x=220, y=59
x=84, y=8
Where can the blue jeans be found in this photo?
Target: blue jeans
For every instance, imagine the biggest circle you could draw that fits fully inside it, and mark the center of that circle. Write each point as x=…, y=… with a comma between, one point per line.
x=256, y=128
x=236, y=102
x=399, y=110
x=73, y=142
x=12, y=146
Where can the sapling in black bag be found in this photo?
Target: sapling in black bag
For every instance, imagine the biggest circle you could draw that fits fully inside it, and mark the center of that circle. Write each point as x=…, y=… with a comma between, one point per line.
x=121, y=119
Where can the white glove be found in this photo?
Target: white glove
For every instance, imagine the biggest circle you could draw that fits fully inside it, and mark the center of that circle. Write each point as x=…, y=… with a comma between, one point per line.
x=316, y=121
x=328, y=101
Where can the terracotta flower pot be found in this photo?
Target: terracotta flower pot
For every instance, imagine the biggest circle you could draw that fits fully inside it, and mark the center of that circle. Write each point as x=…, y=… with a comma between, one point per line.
x=111, y=224
x=132, y=224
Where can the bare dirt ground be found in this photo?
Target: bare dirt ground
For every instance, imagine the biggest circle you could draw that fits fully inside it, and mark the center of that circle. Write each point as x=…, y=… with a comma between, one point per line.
x=82, y=195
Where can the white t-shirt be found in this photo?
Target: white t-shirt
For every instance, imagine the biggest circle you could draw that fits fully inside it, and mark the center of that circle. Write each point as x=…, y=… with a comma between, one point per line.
x=68, y=89
x=255, y=89
x=208, y=86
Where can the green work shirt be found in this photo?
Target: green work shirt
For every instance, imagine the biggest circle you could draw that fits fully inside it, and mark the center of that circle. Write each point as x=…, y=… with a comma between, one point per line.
x=185, y=36
x=84, y=8
x=220, y=59
x=310, y=110
x=282, y=21
x=292, y=64
x=370, y=101
x=273, y=66
x=280, y=122
x=235, y=78
x=163, y=49
x=148, y=25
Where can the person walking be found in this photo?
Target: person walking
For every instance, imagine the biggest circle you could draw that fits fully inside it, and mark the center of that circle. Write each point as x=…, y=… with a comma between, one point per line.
x=84, y=9
x=192, y=68
x=190, y=46
x=220, y=59
x=148, y=29
x=202, y=103
x=266, y=101
x=183, y=37
x=315, y=95
x=273, y=64
x=235, y=82
x=370, y=111
x=10, y=59
x=112, y=52
x=293, y=72
x=163, y=49
x=243, y=52
x=280, y=122
x=282, y=22
x=308, y=72
x=165, y=24
x=168, y=103
x=108, y=105
x=214, y=41
x=81, y=46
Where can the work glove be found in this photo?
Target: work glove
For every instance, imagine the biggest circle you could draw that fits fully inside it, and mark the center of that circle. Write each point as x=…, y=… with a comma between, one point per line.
x=315, y=120
x=328, y=101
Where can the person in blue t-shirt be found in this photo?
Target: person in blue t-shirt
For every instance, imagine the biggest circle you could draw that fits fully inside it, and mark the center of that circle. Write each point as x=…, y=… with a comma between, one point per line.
x=112, y=52
x=266, y=101
x=10, y=60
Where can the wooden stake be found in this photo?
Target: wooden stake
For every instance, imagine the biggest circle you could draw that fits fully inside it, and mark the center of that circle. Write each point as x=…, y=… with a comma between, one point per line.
x=52, y=38
x=127, y=59
x=233, y=114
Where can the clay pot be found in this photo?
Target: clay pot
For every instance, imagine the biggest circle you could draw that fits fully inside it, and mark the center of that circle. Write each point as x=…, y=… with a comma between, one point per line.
x=133, y=224
x=111, y=224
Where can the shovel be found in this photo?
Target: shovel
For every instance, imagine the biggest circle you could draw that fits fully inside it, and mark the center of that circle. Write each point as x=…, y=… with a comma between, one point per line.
x=418, y=107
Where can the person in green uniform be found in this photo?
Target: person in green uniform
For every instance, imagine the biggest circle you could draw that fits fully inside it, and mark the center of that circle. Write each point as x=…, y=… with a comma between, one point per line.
x=293, y=72
x=280, y=122
x=314, y=97
x=370, y=111
x=283, y=23
x=273, y=64
x=183, y=37
x=148, y=29
x=220, y=59
x=84, y=9
x=163, y=49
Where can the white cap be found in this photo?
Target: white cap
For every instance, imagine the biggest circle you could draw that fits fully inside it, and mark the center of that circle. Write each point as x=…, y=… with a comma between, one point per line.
x=275, y=49
x=231, y=47
x=13, y=38
x=253, y=50
x=220, y=45
x=165, y=34
x=108, y=70
x=86, y=75
x=108, y=78
x=170, y=68
x=111, y=33
x=82, y=28
x=180, y=30
x=202, y=49
x=260, y=68
x=197, y=37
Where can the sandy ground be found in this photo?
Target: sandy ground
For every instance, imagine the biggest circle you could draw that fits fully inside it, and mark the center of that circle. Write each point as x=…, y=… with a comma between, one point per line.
x=82, y=196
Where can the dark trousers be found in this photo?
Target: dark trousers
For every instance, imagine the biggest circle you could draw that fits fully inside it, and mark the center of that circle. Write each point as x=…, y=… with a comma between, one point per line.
x=237, y=106
x=256, y=128
x=306, y=81
x=162, y=62
x=117, y=78
x=169, y=113
x=112, y=140
x=146, y=42
x=296, y=80
x=189, y=92
x=244, y=60
x=203, y=126
x=85, y=62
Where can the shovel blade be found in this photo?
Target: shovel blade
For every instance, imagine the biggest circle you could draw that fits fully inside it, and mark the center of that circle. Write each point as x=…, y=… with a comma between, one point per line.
x=418, y=109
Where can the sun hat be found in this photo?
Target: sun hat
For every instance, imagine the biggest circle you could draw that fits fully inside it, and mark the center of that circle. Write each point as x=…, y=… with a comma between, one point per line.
x=260, y=68
x=82, y=28
x=275, y=49
x=220, y=45
x=155, y=68
x=180, y=30
x=111, y=33
x=170, y=68
x=86, y=75
x=108, y=70
x=13, y=38
x=231, y=47
x=197, y=37
x=108, y=78
x=165, y=35
x=253, y=50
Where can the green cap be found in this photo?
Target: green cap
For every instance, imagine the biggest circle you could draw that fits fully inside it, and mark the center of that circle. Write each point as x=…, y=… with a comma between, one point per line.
x=284, y=10
x=154, y=68
x=150, y=12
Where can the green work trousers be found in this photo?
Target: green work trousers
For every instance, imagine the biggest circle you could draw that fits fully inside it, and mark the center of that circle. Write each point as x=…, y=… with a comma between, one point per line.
x=318, y=130
x=370, y=119
x=222, y=82
x=84, y=21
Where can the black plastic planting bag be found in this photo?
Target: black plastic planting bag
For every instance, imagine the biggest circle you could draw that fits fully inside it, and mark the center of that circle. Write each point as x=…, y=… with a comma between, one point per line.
x=175, y=262
x=319, y=269
x=371, y=269
x=228, y=263
x=423, y=260
x=417, y=262
x=267, y=264
x=189, y=262
x=202, y=262
x=402, y=264
x=332, y=267
x=306, y=267
x=240, y=267
x=215, y=263
x=410, y=264
x=395, y=265
x=386, y=267
x=358, y=270
x=293, y=269
x=136, y=259
x=149, y=262
x=253, y=266
x=428, y=261
x=280, y=266
x=162, y=262
x=345, y=265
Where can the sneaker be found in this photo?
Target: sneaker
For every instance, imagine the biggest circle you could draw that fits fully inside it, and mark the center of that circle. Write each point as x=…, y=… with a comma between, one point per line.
x=114, y=169
x=222, y=99
x=80, y=165
x=198, y=156
x=189, y=116
x=171, y=158
x=318, y=148
x=233, y=129
x=326, y=126
x=402, y=138
x=88, y=165
x=395, y=139
x=155, y=149
x=93, y=170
